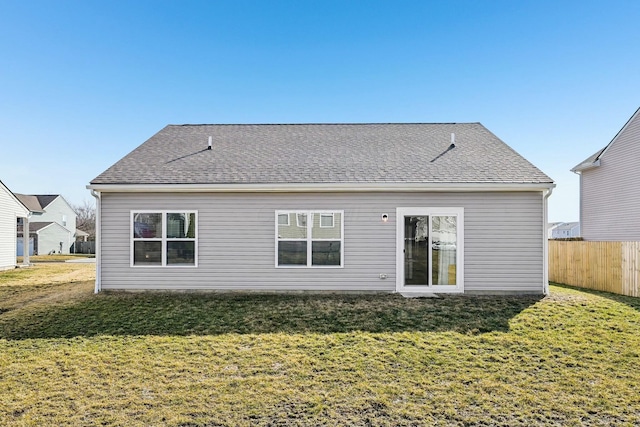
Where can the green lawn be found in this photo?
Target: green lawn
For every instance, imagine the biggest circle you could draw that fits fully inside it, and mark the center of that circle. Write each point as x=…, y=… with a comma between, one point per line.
x=69, y=357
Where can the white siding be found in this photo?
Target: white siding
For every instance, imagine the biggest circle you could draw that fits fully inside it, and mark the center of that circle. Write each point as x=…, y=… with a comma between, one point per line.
x=504, y=235
x=56, y=211
x=610, y=193
x=49, y=239
x=10, y=210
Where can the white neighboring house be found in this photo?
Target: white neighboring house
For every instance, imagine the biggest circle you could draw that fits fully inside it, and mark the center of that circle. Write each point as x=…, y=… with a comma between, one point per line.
x=52, y=225
x=610, y=188
x=552, y=226
x=566, y=230
x=10, y=210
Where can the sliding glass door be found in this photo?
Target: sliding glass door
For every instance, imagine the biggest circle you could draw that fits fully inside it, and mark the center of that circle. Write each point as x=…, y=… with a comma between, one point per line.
x=430, y=249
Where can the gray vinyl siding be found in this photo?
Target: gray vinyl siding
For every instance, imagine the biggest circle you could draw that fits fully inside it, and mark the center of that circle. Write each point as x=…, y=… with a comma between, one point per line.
x=610, y=193
x=503, y=234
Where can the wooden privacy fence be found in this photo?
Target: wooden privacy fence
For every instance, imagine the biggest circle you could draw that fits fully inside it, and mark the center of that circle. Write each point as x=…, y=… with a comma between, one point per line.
x=603, y=266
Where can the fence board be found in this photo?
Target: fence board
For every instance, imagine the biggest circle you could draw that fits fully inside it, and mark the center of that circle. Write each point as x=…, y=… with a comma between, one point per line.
x=603, y=266
x=83, y=247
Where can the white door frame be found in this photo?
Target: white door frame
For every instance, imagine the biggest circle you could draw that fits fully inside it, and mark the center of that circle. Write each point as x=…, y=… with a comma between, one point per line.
x=401, y=212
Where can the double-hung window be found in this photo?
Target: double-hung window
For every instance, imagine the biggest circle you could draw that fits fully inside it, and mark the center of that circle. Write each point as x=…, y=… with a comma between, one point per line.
x=164, y=238
x=310, y=238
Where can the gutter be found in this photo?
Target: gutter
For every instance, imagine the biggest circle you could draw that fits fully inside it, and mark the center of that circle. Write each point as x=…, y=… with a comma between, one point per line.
x=98, y=286
x=545, y=241
x=319, y=187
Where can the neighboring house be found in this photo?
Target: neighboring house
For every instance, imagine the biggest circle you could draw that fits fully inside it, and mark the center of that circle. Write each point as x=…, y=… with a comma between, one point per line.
x=81, y=236
x=10, y=210
x=566, y=230
x=552, y=226
x=52, y=223
x=405, y=208
x=610, y=188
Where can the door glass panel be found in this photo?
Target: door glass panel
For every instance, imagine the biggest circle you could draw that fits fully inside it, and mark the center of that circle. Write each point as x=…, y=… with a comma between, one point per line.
x=416, y=252
x=444, y=248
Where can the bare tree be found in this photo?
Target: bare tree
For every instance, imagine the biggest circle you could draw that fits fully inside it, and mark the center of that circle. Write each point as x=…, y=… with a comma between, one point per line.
x=86, y=218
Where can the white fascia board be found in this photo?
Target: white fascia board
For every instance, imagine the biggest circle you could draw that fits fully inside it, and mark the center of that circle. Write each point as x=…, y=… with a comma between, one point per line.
x=319, y=188
x=586, y=166
x=43, y=228
x=65, y=202
x=25, y=210
x=620, y=132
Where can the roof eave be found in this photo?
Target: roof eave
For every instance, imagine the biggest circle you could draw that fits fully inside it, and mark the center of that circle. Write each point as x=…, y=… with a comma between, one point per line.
x=320, y=187
x=586, y=166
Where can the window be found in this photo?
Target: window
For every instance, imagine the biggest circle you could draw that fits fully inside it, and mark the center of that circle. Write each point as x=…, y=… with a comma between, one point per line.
x=315, y=241
x=64, y=220
x=163, y=239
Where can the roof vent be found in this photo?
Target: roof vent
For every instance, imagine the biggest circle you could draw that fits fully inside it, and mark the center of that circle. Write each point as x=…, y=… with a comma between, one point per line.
x=209, y=146
x=453, y=141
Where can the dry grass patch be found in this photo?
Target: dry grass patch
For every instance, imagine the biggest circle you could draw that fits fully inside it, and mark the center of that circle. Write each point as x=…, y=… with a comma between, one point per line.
x=54, y=258
x=44, y=284
x=283, y=360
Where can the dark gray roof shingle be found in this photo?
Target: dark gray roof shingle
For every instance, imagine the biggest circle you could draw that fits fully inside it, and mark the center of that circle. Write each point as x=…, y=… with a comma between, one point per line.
x=36, y=202
x=323, y=153
x=35, y=226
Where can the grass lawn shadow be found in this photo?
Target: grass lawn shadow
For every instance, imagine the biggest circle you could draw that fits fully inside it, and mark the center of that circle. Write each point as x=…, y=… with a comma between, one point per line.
x=181, y=314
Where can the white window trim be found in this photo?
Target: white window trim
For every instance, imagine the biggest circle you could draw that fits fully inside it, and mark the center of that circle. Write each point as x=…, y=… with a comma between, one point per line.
x=327, y=215
x=309, y=239
x=288, y=223
x=163, y=238
x=427, y=211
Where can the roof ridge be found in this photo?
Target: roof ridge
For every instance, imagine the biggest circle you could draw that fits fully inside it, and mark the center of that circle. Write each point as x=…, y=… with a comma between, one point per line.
x=326, y=124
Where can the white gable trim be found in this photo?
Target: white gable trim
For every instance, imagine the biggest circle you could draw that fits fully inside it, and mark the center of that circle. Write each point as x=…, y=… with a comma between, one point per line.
x=22, y=207
x=615, y=138
x=596, y=162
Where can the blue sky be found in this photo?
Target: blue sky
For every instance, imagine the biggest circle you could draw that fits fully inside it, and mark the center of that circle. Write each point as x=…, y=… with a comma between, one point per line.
x=82, y=83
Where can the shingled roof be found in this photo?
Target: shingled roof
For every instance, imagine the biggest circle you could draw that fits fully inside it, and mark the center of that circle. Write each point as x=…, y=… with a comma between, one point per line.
x=36, y=202
x=323, y=153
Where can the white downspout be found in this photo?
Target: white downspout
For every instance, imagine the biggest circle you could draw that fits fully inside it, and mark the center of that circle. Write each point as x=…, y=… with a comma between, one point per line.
x=545, y=240
x=98, y=251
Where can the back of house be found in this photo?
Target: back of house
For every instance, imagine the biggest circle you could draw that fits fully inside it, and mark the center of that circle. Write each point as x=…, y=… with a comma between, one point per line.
x=411, y=208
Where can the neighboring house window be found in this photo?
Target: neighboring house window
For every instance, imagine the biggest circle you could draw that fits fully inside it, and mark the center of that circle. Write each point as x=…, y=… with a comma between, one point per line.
x=301, y=220
x=326, y=220
x=315, y=241
x=64, y=220
x=283, y=219
x=164, y=238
